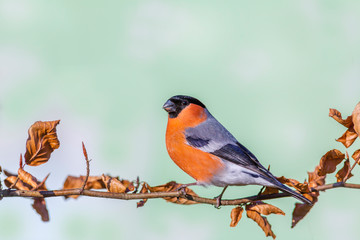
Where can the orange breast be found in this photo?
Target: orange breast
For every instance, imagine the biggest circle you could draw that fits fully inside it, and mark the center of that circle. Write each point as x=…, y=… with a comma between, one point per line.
x=198, y=164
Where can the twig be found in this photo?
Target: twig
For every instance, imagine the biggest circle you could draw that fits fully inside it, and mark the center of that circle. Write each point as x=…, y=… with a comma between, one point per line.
x=352, y=167
x=132, y=196
x=42, y=183
x=87, y=167
x=337, y=185
x=17, y=177
x=137, y=184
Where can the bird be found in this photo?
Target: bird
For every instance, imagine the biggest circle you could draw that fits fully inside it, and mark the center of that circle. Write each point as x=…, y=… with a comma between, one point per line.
x=204, y=149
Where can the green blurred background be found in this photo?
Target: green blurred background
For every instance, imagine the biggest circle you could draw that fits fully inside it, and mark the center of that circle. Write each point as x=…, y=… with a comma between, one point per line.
x=268, y=70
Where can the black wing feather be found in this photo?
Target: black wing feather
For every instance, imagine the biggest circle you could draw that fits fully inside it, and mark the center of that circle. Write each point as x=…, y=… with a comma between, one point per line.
x=234, y=154
x=240, y=155
x=197, y=142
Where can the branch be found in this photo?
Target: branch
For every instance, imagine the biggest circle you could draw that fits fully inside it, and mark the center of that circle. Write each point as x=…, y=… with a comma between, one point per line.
x=337, y=185
x=177, y=194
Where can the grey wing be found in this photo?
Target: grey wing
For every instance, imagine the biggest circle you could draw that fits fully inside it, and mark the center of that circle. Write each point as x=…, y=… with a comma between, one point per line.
x=212, y=137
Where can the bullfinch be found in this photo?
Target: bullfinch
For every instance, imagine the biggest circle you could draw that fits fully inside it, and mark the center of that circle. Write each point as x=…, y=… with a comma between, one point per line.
x=203, y=148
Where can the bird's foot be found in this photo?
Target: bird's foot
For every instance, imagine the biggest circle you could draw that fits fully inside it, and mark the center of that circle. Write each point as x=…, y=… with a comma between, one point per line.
x=218, y=198
x=182, y=189
x=261, y=190
x=184, y=186
x=218, y=201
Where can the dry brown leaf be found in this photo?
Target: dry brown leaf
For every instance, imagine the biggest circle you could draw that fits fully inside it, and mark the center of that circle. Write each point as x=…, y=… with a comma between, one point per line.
x=261, y=221
x=356, y=118
x=10, y=180
x=42, y=141
x=20, y=185
x=235, y=216
x=335, y=114
x=173, y=186
x=299, y=212
x=329, y=161
x=351, y=122
x=39, y=203
x=270, y=190
x=24, y=185
x=24, y=180
x=73, y=182
x=314, y=179
x=348, y=138
x=301, y=187
x=264, y=208
x=340, y=175
x=40, y=207
x=301, y=209
x=113, y=184
x=355, y=156
x=94, y=182
x=27, y=178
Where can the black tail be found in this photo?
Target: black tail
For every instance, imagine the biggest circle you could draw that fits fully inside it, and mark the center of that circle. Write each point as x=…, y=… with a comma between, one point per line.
x=296, y=195
x=284, y=188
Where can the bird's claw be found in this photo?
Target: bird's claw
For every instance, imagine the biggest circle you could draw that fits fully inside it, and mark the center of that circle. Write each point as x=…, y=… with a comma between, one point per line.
x=182, y=189
x=218, y=202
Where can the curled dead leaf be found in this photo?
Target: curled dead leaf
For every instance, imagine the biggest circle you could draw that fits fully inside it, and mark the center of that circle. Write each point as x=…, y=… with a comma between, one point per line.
x=173, y=186
x=40, y=207
x=113, y=184
x=341, y=174
x=301, y=209
x=93, y=182
x=264, y=208
x=24, y=180
x=42, y=141
x=329, y=161
x=270, y=190
x=235, y=215
x=314, y=179
x=27, y=178
x=336, y=115
x=348, y=138
x=352, y=122
x=301, y=187
x=39, y=203
x=356, y=156
x=299, y=212
x=20, y=185
x=261, y=221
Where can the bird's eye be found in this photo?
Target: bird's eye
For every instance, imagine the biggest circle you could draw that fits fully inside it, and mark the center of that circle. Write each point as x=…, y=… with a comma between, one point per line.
x=184, y=103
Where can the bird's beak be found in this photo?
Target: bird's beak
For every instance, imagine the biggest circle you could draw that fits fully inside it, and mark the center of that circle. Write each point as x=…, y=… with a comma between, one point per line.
x=169, y=106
